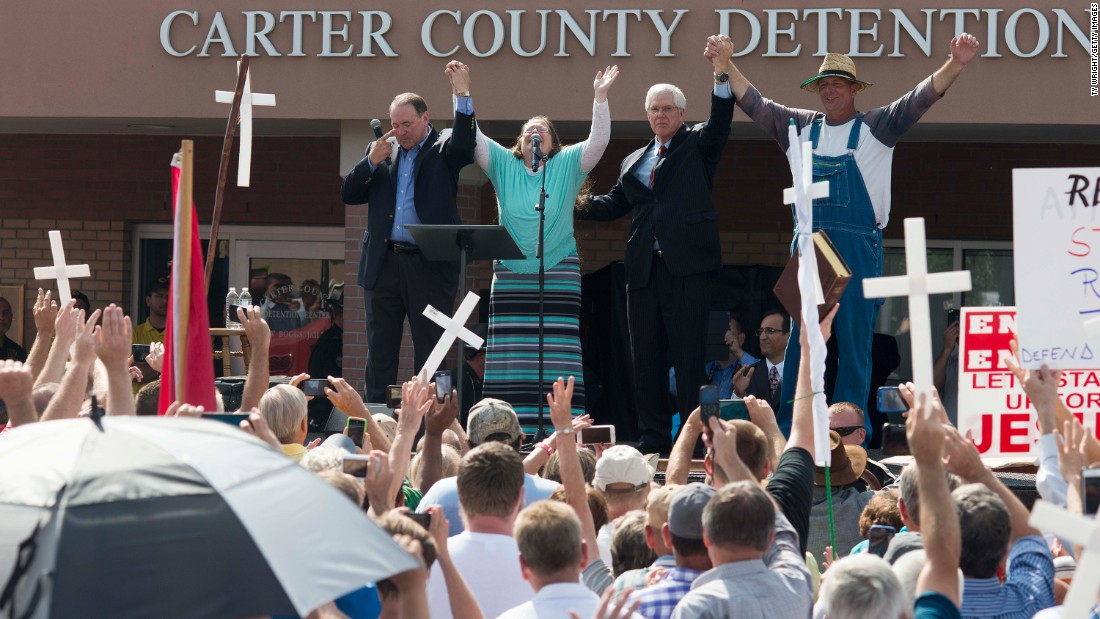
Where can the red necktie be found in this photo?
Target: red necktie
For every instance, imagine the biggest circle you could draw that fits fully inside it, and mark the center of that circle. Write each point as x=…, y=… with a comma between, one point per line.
x=653, y=172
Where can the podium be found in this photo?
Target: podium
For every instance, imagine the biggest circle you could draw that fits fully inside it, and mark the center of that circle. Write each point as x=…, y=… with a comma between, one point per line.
x=463, y=243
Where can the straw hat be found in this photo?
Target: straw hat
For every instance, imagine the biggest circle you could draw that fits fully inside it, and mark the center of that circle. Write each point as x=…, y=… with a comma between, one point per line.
x=849, y=462
x=836, y=65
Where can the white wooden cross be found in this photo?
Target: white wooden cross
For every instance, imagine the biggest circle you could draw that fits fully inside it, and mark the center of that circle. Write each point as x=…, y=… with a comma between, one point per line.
x=453, y=328
x=61, y=271
x=918, y=284
x=801, y=194
x=248, y=99
x=1083, y=532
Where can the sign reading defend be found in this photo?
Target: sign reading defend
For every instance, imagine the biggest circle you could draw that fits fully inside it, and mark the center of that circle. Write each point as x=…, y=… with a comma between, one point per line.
x=1056, y=243
x=992, y=404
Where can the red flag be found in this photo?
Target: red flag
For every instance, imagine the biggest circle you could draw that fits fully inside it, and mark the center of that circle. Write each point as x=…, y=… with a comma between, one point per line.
x=188, y=356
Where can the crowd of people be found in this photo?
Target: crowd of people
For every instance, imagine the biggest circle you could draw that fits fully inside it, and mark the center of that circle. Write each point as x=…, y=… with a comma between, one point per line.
x=504, y=529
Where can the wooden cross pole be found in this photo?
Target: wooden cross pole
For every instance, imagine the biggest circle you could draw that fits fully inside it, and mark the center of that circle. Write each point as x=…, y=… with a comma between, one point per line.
x=223, y=168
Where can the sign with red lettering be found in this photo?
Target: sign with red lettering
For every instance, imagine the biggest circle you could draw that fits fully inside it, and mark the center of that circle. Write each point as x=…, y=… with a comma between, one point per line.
x=1056, y=245
x=991, y=403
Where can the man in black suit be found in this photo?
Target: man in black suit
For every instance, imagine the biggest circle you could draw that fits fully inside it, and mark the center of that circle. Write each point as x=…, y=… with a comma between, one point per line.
x=673, y=250
x=413, y=184
x=764, y=379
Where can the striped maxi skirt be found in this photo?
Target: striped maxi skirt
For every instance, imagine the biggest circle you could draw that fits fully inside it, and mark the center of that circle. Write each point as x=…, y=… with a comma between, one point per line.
x=512, y=355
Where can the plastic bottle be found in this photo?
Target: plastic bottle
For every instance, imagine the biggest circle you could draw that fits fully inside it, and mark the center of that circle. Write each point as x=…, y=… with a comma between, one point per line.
x=246, y=297
x=231, y=299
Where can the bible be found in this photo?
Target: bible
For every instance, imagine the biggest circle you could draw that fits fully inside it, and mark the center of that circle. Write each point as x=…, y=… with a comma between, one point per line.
x=831, y=269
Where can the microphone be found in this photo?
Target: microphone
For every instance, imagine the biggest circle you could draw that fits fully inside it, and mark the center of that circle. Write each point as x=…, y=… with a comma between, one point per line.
x=536, y=152
x=377, y=126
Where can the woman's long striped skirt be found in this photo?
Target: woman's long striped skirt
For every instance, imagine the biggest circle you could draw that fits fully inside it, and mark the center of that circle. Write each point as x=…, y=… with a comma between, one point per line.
x=512, y=356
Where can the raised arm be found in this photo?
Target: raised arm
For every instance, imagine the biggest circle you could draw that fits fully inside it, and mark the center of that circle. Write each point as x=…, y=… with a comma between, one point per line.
x=348, y=401
x=74, y=386
x=600, y=133
x=415, y=402
x=67, y=324
x=679, y=459
x=259, y=372
x=572, y=477
x=461, y=149
x=45, y=315
x=113, y=346
x=940, y=523
x=436, y=422
x=963, y=49
x=16, y=385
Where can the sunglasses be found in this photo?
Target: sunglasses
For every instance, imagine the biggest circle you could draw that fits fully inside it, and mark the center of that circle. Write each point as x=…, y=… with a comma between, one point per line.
x=846, y=430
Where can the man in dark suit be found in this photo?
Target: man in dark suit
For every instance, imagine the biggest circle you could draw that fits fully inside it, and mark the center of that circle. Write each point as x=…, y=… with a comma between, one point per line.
x=764, y=379
x=673, y=250
x=415, y=183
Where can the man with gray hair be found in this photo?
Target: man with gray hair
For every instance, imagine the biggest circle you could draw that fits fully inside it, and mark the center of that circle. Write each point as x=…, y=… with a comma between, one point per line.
x=758, y=570
x=673, y=249
x=909, y=538
x=284, y=408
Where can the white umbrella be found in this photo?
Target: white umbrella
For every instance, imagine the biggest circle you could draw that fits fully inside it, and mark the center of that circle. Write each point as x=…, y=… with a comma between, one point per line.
x=139, y=516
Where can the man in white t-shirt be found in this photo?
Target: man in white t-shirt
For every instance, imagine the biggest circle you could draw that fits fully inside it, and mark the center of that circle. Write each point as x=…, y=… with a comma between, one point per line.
x=552, y=555
x=854, y=152
x=490, y=490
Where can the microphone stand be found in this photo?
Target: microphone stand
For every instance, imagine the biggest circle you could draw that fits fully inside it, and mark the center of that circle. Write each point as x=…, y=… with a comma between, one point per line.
x=541, y=434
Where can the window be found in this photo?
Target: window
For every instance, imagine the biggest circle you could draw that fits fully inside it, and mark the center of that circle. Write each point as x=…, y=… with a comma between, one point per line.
x=991, y=273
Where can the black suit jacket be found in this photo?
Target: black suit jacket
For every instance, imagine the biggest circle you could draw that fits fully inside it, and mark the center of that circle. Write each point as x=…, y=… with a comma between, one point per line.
x=435, y=184
x=760, y=386
x=679, y=209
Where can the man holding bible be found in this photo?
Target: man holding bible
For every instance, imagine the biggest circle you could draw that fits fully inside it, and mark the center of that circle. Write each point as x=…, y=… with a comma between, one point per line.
x=853, y=151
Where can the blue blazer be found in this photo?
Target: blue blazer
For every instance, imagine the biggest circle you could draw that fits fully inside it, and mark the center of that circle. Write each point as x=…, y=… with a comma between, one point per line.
x=435, y=179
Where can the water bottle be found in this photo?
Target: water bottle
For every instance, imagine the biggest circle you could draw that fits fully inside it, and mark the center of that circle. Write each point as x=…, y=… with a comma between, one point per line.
x=246, y=297
x=231, y=299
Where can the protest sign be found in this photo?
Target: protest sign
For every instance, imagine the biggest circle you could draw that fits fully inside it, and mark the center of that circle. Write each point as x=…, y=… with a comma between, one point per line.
x=992, y=404
x=1056, y=243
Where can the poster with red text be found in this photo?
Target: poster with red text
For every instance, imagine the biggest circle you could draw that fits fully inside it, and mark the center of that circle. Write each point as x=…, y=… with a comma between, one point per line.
x=991, y=403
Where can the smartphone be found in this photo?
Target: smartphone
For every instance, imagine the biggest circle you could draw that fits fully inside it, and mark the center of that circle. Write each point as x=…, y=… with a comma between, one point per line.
x=952, y=316
x=357, y=465
x=233, y=419
x=356, y=427
x=393, y=396
x=140, y=352
x=424, y=520
x=878, y=539
x=314, y=387
x=890, y=401
x=1090, y=490
x=733, y=409
x=597, y=435
x=894, y=441
x=708, y=403
x=233, y=316
x=442, y=385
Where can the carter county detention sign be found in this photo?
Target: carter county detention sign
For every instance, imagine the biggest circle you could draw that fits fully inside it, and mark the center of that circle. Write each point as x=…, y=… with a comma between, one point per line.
x=1056, y=242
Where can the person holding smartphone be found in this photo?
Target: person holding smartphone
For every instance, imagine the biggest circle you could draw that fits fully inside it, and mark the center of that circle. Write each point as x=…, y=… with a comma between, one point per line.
x=945, y=371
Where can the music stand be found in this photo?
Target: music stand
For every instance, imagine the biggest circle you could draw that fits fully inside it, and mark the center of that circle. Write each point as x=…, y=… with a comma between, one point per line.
x=463, y=243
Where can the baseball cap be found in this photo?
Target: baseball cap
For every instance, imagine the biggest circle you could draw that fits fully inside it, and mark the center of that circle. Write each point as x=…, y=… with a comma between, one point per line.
x=622, y=464
x=685, y=511
x=389, y=424
x=491, y=416
x=156, y=284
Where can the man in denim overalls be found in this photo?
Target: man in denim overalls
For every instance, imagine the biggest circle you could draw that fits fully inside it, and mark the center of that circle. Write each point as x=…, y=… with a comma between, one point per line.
x=853, y=151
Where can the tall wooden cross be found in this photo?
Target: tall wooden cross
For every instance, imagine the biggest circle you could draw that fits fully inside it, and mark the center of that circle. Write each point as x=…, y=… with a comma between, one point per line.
x=917, y=285
x=1083, y=532
x=453, y=328
x=61, y=271
x=801, y=194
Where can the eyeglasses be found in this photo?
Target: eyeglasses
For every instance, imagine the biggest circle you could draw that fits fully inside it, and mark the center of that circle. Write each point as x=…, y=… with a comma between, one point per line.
x=536, y=129
x=770, y=331
x=666, y=110
x=846, y=430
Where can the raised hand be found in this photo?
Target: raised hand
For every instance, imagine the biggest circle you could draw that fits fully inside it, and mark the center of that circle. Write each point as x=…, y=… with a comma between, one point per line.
x=68, y=324
x=16, y=381
x=155, y=358
x=45, y=312
x=741, y=380
x=255, y=327
x=718, y=51
x=924, y=432
x=114, y=339
x=964, y=47
x=459, y=76
x=344, y=397
x=416, y=399
x=604, y=80
x=951, y=336
x=84, y=339
x=962, y=456
x=441, y=415
x=561, y=404
x=1072, y=450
